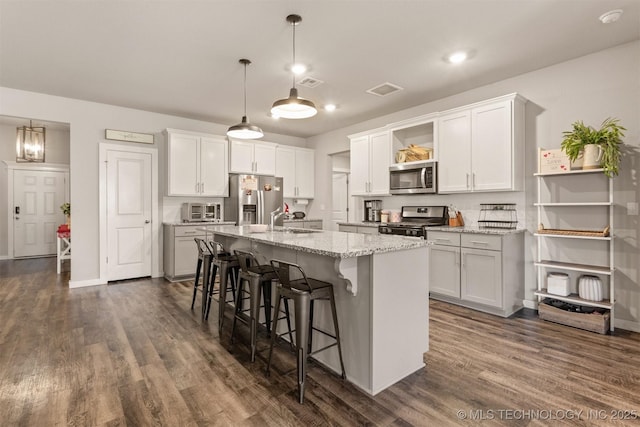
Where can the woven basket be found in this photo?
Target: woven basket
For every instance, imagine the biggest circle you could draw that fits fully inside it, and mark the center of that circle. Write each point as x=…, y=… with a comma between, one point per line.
x=589, y=233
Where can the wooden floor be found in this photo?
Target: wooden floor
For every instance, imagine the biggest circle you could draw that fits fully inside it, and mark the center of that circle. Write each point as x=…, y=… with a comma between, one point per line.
x=133, y=353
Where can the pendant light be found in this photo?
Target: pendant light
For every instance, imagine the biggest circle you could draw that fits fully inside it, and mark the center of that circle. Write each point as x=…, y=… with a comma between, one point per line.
x=293, y=107
x=245, y=130
x=30, y=143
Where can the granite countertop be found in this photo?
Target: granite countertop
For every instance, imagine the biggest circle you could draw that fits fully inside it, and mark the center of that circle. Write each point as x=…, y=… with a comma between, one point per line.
x=180, y=223
x=476, y=229
x=328, y=243
x=361, y=224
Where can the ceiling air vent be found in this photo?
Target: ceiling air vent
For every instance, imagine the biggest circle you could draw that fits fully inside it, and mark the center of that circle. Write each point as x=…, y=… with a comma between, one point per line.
x=309, y=82
x=384, y=89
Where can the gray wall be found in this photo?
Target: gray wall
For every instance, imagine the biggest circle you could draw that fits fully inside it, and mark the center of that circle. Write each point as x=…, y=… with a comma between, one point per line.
x=590, y=88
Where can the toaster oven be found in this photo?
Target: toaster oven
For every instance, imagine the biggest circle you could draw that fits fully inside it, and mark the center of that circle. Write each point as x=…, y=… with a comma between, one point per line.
x=200, y=212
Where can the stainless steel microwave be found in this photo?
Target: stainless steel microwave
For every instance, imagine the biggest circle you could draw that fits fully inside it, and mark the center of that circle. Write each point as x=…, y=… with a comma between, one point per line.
x=413, y=178
x=200, y=212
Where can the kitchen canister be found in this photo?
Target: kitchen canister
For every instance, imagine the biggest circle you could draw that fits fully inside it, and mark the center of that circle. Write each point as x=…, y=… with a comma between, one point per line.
x=590, y=288
x=395, y=215
x=558, y=284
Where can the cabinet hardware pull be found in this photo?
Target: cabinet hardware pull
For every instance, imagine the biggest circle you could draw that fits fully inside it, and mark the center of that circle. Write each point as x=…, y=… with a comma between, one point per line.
x=189, y=232
x=442, y=239
x=473, y=180
x=467, y=180
x=479, y=242
x=202, y=187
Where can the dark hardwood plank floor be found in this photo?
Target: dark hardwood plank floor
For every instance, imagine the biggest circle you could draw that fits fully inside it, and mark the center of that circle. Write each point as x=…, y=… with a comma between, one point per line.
x=133, y=353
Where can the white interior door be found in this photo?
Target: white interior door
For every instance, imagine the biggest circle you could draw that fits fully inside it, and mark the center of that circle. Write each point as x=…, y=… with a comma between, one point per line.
x=37, y=196
x=340, y=210
x=128, y=214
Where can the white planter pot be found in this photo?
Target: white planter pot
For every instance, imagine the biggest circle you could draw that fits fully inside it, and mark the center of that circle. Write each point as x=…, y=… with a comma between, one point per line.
x=592, y=156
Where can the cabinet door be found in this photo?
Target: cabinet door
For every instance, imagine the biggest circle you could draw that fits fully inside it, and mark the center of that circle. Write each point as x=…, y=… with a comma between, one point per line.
x=491, y=147
x=481, y=279
x=314, y=225
x=182, y=165
x=444, y=270
x=359, y=166
x=241, y=157
x=286, y=168
x=348, y=228
x=305, y=173
x=265, y=159
x=379, y=161
x=214, y=178
x=185, y=256
x=454, y=152
x=368, y=230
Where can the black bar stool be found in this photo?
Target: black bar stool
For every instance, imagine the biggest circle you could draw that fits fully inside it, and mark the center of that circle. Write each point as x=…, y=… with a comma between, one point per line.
x=259, y=278
x=227, y=265
x=304, y=291
x=204, y=263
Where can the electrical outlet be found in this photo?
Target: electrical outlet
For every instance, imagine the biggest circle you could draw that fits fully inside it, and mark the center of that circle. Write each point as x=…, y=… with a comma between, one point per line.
x=632, y=208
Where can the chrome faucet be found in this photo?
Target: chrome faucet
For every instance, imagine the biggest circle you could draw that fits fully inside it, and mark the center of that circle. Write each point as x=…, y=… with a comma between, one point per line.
x=275, y=215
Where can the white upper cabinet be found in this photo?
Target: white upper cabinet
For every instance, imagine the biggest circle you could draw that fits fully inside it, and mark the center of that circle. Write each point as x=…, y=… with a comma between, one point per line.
x=370, y=160
x=253, y=157
x=480, y=147
x=297, y=167
x=196, y=164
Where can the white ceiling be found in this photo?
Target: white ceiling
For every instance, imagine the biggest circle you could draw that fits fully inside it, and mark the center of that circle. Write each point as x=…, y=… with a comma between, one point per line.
x=181, y=57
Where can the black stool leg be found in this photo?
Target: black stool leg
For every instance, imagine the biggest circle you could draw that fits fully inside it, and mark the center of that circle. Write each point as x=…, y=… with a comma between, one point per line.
x=205, y=283
x=286, y=311
x=310, y=326
x=276, y=310
x=302, y=302
x=212, y=282
x=195, y=283
x=266, y=298
x=254, y=312
x=224, y=276
x=238, y=307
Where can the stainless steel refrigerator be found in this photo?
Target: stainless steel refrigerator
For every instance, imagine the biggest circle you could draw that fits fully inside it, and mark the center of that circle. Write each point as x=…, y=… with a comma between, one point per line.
x=252, y=198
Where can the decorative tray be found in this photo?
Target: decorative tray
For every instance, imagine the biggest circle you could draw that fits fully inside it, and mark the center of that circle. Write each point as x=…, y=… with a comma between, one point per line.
x=590, y=233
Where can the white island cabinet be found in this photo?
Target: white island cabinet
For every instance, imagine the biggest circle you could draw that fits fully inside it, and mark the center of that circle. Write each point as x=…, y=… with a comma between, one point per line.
x=481, y=146
x=381, y=287
x=196, y=164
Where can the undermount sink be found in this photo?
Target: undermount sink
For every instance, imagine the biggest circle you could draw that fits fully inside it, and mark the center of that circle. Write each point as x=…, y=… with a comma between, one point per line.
x=299, y=230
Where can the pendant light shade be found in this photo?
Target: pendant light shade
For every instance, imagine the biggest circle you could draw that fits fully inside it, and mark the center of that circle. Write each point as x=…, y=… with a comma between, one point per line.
x=244, y=129
x=293, y=107
x=30, y=143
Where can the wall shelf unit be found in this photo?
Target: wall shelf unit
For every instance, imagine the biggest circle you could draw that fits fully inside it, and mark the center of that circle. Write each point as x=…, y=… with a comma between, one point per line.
x=575, y=200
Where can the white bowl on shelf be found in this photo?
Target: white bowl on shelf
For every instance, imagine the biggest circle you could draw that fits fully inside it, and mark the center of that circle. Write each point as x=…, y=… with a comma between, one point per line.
x=258, y=228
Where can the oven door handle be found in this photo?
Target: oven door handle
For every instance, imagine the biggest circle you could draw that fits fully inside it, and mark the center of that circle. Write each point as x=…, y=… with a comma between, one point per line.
x=423, y=177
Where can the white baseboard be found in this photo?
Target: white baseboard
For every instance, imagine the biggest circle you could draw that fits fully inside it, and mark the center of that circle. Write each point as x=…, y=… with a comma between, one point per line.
x=529, y=304
x=3, y=257
x=85, y=283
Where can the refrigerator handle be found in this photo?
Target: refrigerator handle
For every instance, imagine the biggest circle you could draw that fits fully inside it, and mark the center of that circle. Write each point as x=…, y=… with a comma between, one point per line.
x=259, y=208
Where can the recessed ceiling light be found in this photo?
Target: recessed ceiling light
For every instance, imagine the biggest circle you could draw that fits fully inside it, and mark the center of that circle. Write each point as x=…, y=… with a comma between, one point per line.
x=611, y=16
x=457, y=57
x=330, y=107
x=298, y=69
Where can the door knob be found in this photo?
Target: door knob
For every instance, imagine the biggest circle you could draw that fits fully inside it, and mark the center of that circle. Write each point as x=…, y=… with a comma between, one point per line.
x=146, y=221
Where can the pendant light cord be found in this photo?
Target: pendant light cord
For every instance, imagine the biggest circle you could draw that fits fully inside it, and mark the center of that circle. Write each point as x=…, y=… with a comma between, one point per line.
x=245, y=89
x=293, y=64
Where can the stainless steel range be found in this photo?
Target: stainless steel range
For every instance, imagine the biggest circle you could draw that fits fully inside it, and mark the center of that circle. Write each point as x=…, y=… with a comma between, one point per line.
x=415, y=219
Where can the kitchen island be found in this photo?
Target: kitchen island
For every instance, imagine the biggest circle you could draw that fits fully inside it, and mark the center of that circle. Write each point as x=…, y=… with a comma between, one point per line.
x=381, y=289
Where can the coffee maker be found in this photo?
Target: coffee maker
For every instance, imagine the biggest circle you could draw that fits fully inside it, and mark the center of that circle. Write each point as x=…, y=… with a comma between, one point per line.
x=372, y=210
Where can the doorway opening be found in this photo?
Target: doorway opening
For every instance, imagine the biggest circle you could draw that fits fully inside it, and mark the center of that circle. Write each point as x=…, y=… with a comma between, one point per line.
x=341, y=205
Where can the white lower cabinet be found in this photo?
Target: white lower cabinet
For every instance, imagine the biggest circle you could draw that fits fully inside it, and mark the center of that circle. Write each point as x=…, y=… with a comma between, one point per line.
x=477, y=270
x=313, y=224
x=180, y=251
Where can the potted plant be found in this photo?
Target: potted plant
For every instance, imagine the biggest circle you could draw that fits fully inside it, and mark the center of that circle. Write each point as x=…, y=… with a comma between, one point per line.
x=600, y=148
x=66, y=210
